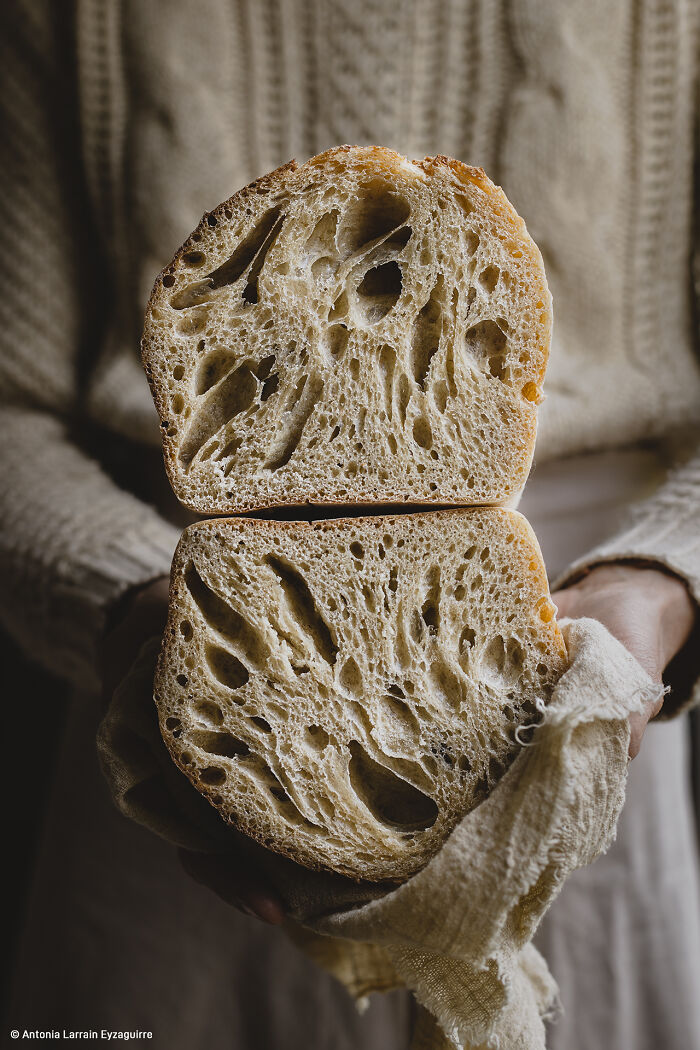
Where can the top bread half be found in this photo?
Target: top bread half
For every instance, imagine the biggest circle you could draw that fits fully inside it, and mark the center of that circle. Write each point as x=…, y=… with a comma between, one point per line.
x=360, y=329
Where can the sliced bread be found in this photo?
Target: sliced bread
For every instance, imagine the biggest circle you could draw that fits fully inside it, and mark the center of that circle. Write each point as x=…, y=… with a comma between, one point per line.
x=343, y=691
x=359, y=329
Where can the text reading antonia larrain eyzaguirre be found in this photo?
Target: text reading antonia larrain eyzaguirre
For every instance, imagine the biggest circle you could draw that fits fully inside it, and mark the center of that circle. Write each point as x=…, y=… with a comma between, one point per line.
x=107, y=1034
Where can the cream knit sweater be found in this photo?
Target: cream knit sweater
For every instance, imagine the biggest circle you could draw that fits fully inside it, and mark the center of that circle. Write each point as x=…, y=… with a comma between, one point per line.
x=129, y=119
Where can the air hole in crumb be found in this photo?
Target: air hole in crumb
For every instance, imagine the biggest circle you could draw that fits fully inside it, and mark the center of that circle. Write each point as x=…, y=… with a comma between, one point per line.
x=379, y=291
x=401, y=714
x=317, y=737
x=339, y=308
x=232, y=396
x=375, y=213
x=357, y=550
x=488, y=343
x=430, y=611
x=172, y=724
x=210, y=712
x=217, y=743
x=391, y=800
x=213, y=775
x=186, y=630
x=488, y=278
x=404, y=397
x=422, y=433
x=368, y=596
x=212, y=368
x=304, y=399
x=337, y=337
x=321, y=240
x=304, y=608
x=261, y=723
x=229, y=623
x=350, y=676
x=270, y=386
x=178, y=372
x=440, y=395
x=467, y=639
x=426, y=335
x=472, y=240
x=182, y=679
x=464, y=203
x=168, y=280
x=226, y=667
x=194, y=259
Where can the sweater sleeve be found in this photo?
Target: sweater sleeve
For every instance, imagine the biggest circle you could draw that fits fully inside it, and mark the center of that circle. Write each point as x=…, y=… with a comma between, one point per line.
x=663, y=530
x=71, y=541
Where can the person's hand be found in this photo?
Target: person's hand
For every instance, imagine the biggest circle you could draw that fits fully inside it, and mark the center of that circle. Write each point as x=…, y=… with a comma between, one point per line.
x=650, y=611
x=142, y=616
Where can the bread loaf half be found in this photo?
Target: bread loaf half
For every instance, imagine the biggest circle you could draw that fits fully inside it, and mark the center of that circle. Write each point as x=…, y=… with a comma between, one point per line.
x=360, y=329
x=343, y=691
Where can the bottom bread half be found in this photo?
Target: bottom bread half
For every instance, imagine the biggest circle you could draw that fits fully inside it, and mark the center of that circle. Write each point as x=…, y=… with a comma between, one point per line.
x=344, y=691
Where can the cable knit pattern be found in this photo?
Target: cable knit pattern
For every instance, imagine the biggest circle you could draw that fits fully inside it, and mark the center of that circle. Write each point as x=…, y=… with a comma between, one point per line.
x=127, y=122
x=71, y=544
